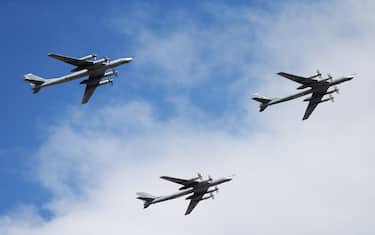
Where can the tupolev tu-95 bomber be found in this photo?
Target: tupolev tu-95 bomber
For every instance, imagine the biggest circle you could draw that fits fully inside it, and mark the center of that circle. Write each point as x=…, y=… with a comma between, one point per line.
x=196, y=188
x=317, y=88
x=85, y=66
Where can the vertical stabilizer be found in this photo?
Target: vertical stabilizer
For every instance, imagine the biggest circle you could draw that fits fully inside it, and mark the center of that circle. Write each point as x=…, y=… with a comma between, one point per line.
x=146, y=198
x=264, y=101
x=35, y=81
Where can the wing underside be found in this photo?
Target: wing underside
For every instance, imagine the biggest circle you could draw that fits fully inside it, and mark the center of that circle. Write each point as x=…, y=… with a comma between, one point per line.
x=91, y=84
x=194, y=202
x=299, y=79
x=176, y=180
x=90, y=89
x=71, y=60
x=315, y=99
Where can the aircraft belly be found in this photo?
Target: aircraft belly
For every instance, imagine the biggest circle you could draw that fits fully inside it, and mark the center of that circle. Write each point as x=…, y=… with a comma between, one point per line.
x=295, y=96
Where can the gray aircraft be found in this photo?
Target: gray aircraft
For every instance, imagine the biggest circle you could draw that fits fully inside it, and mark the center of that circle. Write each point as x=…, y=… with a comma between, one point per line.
x=317, y=88
x=85, y=66
x=196, y=188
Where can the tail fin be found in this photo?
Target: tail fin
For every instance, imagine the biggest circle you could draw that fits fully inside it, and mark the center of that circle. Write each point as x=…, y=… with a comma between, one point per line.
x=34, y=81
x=146, y=198
x=264, y=101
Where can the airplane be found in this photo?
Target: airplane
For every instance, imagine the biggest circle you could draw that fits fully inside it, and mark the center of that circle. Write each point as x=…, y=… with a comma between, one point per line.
x=196, y=188
x=84, y=66
x=317, y=88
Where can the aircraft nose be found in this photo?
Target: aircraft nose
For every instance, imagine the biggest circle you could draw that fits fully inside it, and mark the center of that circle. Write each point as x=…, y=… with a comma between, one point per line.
x=351, y=76
x=229, y=178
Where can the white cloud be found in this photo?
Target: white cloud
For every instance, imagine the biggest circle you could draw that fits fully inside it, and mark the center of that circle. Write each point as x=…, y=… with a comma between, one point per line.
x=293, y=177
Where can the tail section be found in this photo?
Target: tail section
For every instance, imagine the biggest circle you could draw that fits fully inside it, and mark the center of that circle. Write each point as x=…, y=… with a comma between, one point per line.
x=264, y=101
x=146, y=198
x=34, y=81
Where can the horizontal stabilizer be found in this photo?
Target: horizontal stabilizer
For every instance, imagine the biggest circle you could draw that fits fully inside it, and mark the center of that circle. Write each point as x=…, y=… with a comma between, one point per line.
x=263, y=101
x=146, y=198
x=35, y=81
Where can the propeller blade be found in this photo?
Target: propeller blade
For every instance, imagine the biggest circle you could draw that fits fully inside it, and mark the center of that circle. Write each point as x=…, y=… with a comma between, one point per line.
x=337, y=90
x=330, y=77
x=199, y=176
x=318, y=73
x=332, y=98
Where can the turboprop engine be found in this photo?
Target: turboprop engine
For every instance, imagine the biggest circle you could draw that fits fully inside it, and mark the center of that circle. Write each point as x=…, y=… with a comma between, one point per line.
x=104, y=82
x=110, y=73
x=102, y=60
x=89, y=57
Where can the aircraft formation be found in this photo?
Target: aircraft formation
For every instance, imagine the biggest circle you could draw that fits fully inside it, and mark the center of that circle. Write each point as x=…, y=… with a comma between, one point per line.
x=196, y=189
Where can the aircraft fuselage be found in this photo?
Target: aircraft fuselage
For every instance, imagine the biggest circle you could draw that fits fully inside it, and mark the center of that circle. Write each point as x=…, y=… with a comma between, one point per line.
x=201, y=187
x=97, y=68
x=320, y=87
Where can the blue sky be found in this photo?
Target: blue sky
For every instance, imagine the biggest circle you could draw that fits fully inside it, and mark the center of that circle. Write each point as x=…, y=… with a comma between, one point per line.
x=183, y=106
x=30, y=30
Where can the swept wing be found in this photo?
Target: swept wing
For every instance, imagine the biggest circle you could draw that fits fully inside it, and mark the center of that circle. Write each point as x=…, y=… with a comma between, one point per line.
x=195, y=199
x=314, y=100
x=91, y=84
x=71, y=60
x=304, y=81
x=176, y=180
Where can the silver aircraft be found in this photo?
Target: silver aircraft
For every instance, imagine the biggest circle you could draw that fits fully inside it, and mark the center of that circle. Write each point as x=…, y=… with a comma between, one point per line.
x=317, y=88
x=85, y=66
x=196, y=188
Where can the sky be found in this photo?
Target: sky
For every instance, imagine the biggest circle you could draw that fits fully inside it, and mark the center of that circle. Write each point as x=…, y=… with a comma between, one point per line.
x=183, y=106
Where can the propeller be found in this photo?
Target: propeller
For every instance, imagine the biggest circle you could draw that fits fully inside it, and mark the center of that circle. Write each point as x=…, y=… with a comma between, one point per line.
x=209, y=178
x=337, y=90
x=94, y=56
x=106, y=59
x=332, y=98
x=199, y=176
x=110, y=81
x=216, y=189
x=318, y=73
x=212, y=196
x=330, y=78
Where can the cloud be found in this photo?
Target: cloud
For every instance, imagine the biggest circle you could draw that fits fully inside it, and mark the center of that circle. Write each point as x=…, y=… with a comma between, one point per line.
x=292, y=177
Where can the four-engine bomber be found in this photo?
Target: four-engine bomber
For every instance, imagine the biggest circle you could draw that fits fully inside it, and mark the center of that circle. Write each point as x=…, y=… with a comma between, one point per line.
x=84, y=66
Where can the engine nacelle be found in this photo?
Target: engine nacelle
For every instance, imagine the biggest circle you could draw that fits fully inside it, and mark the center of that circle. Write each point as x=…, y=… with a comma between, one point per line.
x=311, y=99
x=317, y=100
x=213, y=190
x=89, y=57
x=333, y=91
x=207, y=197
x=104, y=82
x=103, y=60
x=325, y=100
x=110, y=73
